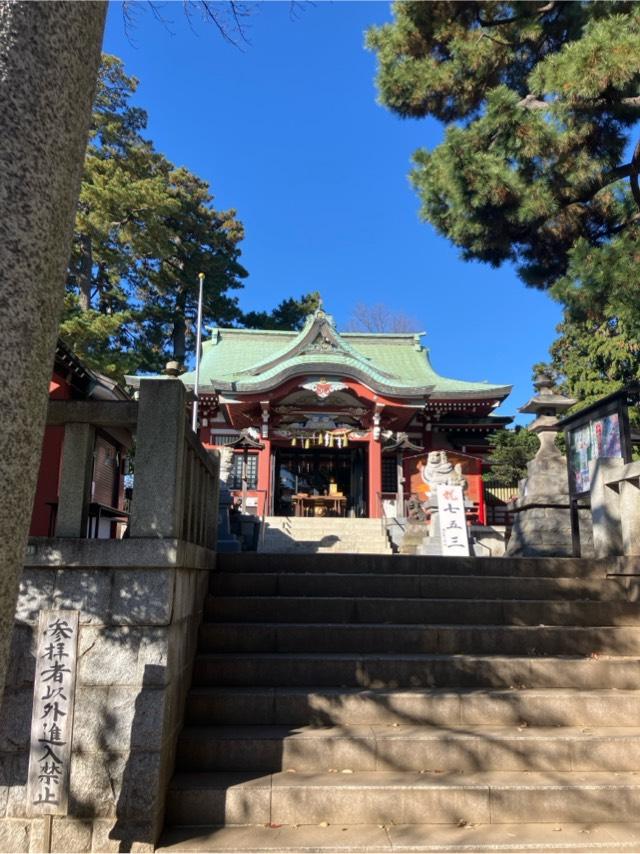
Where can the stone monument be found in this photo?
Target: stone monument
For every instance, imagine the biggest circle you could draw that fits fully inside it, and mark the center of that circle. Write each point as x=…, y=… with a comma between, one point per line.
x=542, y=525
x=438, y=470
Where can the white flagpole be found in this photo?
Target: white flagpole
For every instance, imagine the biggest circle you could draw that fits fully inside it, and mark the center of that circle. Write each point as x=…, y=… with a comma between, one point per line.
x=194, y=415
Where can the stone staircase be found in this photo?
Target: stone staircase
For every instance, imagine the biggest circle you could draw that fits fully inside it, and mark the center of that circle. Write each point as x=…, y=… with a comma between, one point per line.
x=365, y=703
x=324, y=534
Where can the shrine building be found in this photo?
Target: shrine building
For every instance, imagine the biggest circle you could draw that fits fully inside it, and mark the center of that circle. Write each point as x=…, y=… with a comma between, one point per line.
x=325, y=422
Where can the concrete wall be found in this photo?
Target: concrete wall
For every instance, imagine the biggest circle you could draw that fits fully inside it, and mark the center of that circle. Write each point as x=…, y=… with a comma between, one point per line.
x=140, y=604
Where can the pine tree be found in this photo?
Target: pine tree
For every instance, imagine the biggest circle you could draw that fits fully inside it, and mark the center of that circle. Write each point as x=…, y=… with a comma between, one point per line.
x=289, y=314
x=144, y=230
x=540, y=100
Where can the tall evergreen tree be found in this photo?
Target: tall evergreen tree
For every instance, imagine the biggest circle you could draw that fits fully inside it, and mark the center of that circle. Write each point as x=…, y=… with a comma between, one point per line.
x=144, y=230
x=540, y=100
x=289, y=314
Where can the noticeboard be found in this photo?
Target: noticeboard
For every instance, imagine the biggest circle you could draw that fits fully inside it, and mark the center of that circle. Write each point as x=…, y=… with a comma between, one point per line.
x=596, y=432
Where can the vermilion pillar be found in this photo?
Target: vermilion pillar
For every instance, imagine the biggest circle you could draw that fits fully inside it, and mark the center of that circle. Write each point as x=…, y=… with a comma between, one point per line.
x=375, y=478
x=264, y=474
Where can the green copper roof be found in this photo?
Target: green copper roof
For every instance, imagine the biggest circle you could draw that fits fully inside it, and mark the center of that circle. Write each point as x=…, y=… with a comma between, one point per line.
x=245, y=360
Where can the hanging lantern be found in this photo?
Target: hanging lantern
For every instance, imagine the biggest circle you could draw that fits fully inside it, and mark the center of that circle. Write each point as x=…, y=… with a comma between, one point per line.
x=307, y=443
x=346, y=440
x=294, y=442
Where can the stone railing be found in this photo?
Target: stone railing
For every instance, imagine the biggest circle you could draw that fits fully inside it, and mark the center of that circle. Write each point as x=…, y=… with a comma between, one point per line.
x=615, y=507
x=176, y=482
x=140, y=602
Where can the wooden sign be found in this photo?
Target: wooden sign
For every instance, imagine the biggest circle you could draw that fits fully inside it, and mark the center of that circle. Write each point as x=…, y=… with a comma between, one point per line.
x=453, y=522
x=52, y=719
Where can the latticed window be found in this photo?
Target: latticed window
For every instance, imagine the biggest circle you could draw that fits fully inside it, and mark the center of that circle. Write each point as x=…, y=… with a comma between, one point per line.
x=389, y=474
x=223, y=438
x=252, y=471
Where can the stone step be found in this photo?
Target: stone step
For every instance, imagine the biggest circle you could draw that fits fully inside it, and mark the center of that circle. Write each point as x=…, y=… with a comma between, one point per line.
x=432, y=639
x=550, y=707
x=380, y=797
x=414, y=671
x=342, y=609
x=414, y=586
x=322, y=521
x=313, y=548
x=568, y=838
x=418, y=564
x=409, y=748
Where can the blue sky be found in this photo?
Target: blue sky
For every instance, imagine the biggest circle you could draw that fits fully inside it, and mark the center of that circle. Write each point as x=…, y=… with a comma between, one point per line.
x=288, y=132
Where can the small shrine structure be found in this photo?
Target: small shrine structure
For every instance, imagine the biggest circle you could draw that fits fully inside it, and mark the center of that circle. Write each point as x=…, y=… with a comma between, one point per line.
x=342, y=421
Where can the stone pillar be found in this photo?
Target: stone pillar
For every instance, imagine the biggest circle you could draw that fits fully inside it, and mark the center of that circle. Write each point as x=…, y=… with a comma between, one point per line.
x=160, y=446
x=75, y=480
x=542, y=525
x=213, y=504
x=264, y=475
x=375, y=477
x=605, y=507
x=49, y=56
x=630, y=516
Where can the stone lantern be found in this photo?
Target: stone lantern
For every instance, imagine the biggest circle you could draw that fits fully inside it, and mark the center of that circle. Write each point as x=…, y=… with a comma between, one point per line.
x=542, y=525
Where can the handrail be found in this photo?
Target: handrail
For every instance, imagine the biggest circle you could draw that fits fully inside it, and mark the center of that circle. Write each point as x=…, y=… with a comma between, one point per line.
x=194, y=442
x=102, y=413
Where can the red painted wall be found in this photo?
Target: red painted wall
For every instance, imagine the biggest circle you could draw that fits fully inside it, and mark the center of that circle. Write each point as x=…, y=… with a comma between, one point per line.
x=50, y=459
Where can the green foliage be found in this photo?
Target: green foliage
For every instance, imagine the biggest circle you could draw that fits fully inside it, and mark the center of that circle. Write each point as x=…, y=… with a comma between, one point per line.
x=289, y=314
x=540, y=101
x=144, y=230
x=511, y=450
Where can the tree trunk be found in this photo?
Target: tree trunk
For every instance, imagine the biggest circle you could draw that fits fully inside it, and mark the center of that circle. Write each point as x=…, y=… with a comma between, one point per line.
x=49, y=56
x=179, y=331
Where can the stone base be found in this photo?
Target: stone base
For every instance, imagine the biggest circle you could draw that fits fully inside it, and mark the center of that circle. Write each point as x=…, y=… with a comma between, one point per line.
x=140, y=604
x=544, y=530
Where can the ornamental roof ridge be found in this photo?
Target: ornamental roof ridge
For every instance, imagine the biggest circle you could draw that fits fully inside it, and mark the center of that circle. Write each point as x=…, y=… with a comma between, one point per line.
x=318, y=336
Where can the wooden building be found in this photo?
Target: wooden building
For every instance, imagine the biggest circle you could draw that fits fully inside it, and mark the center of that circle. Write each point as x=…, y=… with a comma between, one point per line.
x=71, y=379
x=337, y=422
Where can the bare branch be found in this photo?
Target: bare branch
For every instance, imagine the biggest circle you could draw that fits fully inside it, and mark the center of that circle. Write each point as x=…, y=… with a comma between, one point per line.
x=379, y=318
x=532, y=102
x=226, y=18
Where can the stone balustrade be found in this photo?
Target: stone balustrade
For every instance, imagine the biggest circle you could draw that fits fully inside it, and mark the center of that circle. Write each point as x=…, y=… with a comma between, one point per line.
x=140, y=602
x=176, y=480
x=615, y=507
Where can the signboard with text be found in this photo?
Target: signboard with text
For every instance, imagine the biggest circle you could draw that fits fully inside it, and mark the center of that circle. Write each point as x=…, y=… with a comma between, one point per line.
x=52, y=719
x=453, y=523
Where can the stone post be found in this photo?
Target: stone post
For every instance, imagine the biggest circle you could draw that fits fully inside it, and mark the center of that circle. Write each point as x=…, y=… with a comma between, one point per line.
x=160, y=450
x=49, y=56
x=213, y=503
x=75, y=480
x=605, y=507
x=630, y=516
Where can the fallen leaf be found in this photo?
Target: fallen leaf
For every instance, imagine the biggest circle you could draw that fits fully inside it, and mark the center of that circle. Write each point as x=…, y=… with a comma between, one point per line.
x=291, y=771
x=274, y=826
x=347, y=771
x=462, y=822
x=324, y=824
x=557, y=828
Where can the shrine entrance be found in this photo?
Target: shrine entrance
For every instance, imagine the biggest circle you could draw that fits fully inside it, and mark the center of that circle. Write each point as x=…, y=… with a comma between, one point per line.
x=320, y=481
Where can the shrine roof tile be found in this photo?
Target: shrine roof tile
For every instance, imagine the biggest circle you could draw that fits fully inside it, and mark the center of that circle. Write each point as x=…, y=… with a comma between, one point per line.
x=232, y=358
